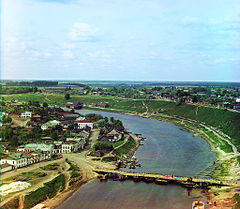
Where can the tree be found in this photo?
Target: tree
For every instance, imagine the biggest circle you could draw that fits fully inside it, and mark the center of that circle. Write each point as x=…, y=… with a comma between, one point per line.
x=45, y=104
x=6, y=119
x=67, y=96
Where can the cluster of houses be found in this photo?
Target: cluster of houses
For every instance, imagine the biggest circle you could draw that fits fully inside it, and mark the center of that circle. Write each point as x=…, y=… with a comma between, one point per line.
x=29, y=154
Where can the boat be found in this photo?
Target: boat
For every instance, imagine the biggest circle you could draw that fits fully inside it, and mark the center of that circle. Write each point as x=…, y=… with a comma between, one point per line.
x=198, y=205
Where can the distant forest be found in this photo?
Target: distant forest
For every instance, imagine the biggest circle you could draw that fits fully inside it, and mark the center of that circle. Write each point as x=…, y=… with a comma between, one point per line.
x=32, y=83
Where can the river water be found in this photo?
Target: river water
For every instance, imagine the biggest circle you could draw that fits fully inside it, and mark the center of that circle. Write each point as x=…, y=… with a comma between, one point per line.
x=168, y=149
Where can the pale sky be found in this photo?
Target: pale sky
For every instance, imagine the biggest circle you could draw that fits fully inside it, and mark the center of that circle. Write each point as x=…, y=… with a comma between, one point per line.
x=142, y=40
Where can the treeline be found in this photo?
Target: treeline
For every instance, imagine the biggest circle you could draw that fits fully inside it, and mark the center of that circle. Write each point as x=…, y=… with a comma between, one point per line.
x=33, y=83
x=73, y=84
x=18, y=90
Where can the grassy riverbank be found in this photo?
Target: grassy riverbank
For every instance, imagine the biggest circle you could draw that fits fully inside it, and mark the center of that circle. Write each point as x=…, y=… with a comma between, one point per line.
x=219, y=127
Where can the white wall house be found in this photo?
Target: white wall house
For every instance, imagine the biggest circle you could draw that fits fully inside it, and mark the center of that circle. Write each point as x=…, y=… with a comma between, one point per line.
x=26, y=114
x=70, y=146
x=84, y=123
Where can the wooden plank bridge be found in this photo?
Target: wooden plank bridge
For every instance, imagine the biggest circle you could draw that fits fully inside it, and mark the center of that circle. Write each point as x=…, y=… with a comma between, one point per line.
x=157, y=178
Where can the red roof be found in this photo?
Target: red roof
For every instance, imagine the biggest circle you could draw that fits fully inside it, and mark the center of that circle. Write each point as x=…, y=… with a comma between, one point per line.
x=82, y=121
x=33, y=123
x=113, y=132
x=70, y=142
x=100, y=104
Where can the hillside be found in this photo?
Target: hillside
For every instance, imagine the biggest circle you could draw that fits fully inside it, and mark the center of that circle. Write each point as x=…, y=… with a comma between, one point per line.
x=226, y=121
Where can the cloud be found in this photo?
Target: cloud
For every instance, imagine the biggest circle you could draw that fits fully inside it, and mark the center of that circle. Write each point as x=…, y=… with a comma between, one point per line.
x=69, y=45
x=68, y=54
x=82, y=32
x=99, y=53
x=190, y=20
x=58, y=1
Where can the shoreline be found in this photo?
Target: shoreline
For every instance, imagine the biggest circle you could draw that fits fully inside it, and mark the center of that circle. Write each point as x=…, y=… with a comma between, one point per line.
x=63, y=196
x=220, y=156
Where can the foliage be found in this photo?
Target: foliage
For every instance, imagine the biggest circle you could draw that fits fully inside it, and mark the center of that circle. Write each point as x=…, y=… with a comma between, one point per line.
x=236, y=201
x=93, y=117
x=126, y=148
x=75, y=174
x=49, y=190
x=103, y=146
x=17, y=90
x=6, y=119
x=50, y=167
x=67, y=96
x=72, y=166
x=32, y=83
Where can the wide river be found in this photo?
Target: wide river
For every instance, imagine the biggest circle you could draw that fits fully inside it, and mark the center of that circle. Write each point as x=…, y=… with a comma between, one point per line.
x=168, y=149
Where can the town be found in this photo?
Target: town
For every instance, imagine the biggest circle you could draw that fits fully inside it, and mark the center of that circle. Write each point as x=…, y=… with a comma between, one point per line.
x=35, y=135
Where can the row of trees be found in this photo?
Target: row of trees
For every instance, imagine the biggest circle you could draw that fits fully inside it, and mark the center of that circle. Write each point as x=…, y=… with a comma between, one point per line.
x=18, y=90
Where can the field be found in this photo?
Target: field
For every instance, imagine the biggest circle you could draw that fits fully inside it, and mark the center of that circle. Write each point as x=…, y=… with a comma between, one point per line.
x=226, y=121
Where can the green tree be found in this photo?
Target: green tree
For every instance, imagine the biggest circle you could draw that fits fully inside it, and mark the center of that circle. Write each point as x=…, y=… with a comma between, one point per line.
x=45, y=104
x=67, y=96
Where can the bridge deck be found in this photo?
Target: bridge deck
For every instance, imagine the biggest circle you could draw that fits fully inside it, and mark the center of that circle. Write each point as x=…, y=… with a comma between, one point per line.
x=154, y=176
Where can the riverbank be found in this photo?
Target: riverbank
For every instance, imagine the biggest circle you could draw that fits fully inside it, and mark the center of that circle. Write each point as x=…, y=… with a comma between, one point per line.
x=86, y=164
x=226, y=165
x=52, y=203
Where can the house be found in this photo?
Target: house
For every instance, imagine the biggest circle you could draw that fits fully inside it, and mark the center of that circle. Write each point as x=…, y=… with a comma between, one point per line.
x=57, y=146
x=17, y=160
x=26, y=114
x=69, y=146
x=46, y=148
x=83, y=123
x=6, y=167
x=52, y=123
x=101, y=105
x=80, y=142
x=83, y=134
x=32, y=124
x=36, y=118
x=114, y=135
x=21, y=159
x=20, y=148
x=77, y=105
x=74, y=105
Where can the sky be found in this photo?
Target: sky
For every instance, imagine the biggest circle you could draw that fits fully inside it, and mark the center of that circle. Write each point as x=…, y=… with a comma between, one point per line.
x=138, y=40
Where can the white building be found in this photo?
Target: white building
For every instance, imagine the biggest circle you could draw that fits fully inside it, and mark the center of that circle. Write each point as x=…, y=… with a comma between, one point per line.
x=26, y=114
x=70, y=146
x=84, y=123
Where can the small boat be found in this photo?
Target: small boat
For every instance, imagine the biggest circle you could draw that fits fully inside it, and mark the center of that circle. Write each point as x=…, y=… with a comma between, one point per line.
x=198, y=205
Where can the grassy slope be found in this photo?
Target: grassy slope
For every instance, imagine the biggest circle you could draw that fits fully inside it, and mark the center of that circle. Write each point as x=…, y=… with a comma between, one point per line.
x=226, y=121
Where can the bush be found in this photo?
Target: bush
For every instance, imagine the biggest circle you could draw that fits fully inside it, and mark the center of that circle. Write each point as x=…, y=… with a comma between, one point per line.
x=72, y=166
x=103, y=146
x=75, y=174
x=49, y=190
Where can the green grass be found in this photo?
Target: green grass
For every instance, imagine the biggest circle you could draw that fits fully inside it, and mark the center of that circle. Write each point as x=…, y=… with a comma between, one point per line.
x=226, y=121
x=116, y=144
x=49, y=190
x=73, y=167
x=126, y=148
x=75, y=174
x=51, y=167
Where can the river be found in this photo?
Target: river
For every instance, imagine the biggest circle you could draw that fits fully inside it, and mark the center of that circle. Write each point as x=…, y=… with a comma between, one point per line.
x=168, y=149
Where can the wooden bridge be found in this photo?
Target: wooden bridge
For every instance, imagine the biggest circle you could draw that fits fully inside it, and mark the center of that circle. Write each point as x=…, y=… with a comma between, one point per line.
x=157, y=178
